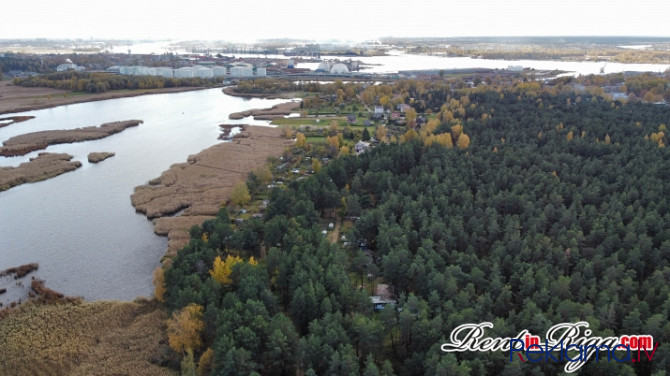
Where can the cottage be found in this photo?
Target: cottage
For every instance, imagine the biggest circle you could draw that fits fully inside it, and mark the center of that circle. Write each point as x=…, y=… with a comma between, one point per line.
x=361, y=147
x=351, y=119
x=379, y=302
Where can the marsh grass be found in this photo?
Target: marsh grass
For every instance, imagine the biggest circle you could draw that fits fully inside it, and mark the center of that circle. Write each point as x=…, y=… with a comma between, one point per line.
x=84, y=338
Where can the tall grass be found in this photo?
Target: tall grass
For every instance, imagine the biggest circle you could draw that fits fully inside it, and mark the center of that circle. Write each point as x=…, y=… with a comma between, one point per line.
x=98, y=338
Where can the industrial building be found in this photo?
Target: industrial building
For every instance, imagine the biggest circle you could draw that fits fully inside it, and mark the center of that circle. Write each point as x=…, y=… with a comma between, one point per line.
x=236, y=70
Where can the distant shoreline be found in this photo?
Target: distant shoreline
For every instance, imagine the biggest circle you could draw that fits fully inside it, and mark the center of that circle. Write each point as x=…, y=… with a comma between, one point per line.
x=15, y=99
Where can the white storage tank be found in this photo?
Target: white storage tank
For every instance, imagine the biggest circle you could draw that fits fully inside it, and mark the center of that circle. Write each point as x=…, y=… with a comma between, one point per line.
x=324, y=66
x=185, y=72
x=164, y=72
x=241, y=72
x=141, y=71
x=261, y=72
x=202, y=72
x=219, y=71
x=339, y=68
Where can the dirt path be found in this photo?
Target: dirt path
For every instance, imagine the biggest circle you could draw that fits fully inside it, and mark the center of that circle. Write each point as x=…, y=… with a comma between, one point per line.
x=334, y=235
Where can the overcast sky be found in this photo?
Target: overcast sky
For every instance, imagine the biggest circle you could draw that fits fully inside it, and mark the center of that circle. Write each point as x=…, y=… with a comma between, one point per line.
x=244, y=20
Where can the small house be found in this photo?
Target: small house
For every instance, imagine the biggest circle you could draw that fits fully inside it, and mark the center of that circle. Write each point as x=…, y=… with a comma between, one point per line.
x=361, y=147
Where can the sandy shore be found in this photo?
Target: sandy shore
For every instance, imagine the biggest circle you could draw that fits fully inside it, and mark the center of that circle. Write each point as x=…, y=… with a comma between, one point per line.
x=25, y=143
x=21, y=99
x=200, y=186
x=44, y=166
x=278, y=110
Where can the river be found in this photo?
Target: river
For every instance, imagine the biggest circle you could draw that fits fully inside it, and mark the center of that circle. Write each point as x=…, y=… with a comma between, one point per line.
x=80, y=226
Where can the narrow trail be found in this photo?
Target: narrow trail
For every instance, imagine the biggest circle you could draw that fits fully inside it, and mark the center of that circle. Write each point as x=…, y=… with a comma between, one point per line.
x=334, y=235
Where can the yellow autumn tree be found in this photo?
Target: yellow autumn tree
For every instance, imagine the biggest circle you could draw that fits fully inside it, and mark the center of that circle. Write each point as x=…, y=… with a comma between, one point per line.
x=240, y=195
x=409, y=135
x=444, y=139
x=345, y=150
x=287, y=132
x=410, y=117
x=206, y=362
x=657, y=137
x=300, y=140
x=221, y=269
x=463, y=141
x=431, y=125
x=184, y=328
x=569, y=136
x=608, y=140
x=159, y=284
x=381, y=133
x=456, y=131
x=263, y=174
x=447, y=116
x=333, y=141
x=316, y=165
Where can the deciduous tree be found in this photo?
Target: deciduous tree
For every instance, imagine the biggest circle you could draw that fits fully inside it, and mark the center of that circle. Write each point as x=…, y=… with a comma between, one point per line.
x=300, y=140
x=185, y=327
x=221, y=269
x=159, y=284
x=241, y=195
x=463, y=141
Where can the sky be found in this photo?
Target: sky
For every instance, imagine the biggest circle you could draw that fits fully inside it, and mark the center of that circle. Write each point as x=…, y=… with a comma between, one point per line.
x=355, y=20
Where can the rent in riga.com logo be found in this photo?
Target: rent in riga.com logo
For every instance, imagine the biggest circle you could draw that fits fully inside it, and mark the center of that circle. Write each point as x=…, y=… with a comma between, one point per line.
x=567, y=342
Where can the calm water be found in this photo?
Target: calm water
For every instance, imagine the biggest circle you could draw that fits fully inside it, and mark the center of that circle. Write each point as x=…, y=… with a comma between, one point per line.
x=80, y=226
x=397, y=61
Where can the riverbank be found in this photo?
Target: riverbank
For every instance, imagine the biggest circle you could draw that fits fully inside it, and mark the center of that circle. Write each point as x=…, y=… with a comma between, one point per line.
x=198, y=188
x=21, y=99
